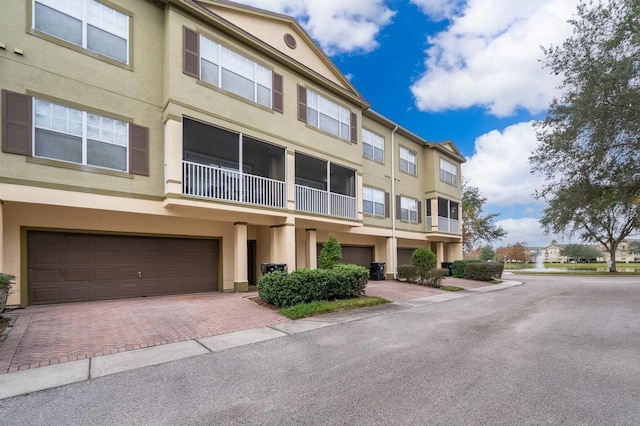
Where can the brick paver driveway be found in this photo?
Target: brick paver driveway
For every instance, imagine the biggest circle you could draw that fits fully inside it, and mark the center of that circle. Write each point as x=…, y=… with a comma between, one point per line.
x=53, y=334
x=45, y=335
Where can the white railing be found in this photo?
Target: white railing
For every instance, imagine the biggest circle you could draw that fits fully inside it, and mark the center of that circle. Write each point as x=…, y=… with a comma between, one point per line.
x=324, y=202
x=213, y=182
x=311, y=200
x=342, y=205
x=451, y=226
x=428, y=223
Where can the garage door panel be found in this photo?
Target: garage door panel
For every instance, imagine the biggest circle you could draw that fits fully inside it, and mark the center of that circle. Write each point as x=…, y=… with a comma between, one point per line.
x=43, y=258
x=75, y=293
x=74, y=258
x=63, y=271
x=129, y=289
x=44, y=276
x=47, y=294
x=75, y=275
x=404, y=256
x=77, y=241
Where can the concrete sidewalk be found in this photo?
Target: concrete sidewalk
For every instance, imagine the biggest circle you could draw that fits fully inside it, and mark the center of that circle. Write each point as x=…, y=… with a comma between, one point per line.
x=36, y=379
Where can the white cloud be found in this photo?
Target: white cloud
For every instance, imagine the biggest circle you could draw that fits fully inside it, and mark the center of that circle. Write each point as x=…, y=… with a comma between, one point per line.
x=437, y=9
x=523, y=230
x=500, y=168
x=338, y=26
x=489, y=57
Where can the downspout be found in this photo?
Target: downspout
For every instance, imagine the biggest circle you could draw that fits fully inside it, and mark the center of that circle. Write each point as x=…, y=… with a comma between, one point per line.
x=394, y=243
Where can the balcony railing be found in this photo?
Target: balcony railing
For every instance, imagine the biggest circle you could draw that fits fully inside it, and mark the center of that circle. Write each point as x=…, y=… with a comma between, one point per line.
x=229, y=185
x=324, y=202
x=451, y=226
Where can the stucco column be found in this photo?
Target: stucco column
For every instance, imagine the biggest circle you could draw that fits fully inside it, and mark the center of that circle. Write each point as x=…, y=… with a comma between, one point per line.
x=173, y=157
x=390, y=267
x=240, y=279
x=291, y=180
x=455, y=252
x=283, y=244
x=439, y=253
x=311, y=249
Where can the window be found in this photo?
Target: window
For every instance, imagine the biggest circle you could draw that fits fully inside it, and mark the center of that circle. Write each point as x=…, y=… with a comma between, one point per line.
x=224, y=68
x=448, y=172
x=328, y=116
x=69, y=134
x=428, y=208
x=408, y=162
x=373, y=201
x=85, y=23
x=372, y=146
x=408, y=209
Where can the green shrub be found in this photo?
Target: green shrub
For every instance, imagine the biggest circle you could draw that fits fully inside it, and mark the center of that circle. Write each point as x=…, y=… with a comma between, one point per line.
x=483, y=271
x=6, y=281
x=406, y=272
x=434, y=278
x=308, y=285
x=423, y=261
x=331, y=253
x=355, y=276
x=458, y=267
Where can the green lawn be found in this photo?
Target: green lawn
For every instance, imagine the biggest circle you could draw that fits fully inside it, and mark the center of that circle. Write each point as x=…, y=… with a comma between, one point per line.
x=304, y=310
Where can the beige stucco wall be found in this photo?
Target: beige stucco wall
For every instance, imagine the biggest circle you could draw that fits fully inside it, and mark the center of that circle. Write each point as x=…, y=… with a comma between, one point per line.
x=271, y=30
x=58, y=73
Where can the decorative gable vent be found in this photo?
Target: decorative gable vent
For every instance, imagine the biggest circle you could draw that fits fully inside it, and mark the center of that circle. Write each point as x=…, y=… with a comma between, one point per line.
x=290, y=41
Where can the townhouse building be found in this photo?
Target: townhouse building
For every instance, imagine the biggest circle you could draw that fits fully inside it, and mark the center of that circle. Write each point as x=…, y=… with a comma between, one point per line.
x=154, y=147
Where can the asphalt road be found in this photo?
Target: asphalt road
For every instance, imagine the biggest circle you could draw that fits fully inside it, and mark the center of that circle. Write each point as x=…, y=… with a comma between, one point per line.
x=557, y=350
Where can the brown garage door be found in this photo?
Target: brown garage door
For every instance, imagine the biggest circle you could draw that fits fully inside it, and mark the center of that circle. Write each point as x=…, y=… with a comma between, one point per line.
x=357, y=255
x=404, y=256
x=73, y=267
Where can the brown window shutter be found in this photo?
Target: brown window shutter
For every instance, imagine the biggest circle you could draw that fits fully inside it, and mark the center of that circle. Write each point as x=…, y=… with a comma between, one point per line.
x=354, y=127
x=277, y=100
x=419, y=211
x=387, y=207
x=302, y=104
x=16, y=123
x=191, y=52
x=138, y=150
x=398, y=208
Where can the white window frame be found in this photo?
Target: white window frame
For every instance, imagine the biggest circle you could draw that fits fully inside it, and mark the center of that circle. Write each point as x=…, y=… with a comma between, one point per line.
x=319, y=106
x=448, y=172
x=407, y=159
x=409, y=209
x=377, y=199
x=81, y=131
x=376, y=144
x=83, y=15
x=228, y=59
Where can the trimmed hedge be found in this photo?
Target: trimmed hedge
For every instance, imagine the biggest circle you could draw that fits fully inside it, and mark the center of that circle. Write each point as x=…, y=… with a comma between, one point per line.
x=308, y=285
x=434, y=278
x=483, y=271
x=458, y=267
x=406, y=272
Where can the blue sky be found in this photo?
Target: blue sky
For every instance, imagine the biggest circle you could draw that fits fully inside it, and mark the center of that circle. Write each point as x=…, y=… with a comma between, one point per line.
x=464, y=70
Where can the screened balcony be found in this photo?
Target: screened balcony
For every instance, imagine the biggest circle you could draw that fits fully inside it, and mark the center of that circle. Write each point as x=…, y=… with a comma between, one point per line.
x=448, y=216
x=224, y=165
x=326, y=188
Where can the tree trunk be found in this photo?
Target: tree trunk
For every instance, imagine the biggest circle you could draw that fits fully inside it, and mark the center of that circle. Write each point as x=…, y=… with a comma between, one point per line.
x=612, y=254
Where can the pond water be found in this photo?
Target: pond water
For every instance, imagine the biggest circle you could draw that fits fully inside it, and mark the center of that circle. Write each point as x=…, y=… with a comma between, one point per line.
x=603, y=268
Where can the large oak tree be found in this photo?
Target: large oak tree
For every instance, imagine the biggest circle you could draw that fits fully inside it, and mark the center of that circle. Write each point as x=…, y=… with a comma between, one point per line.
x=589, y=150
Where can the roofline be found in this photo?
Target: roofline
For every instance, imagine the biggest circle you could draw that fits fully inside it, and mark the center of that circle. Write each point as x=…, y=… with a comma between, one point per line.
x=409, y=134
x=197, y=9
